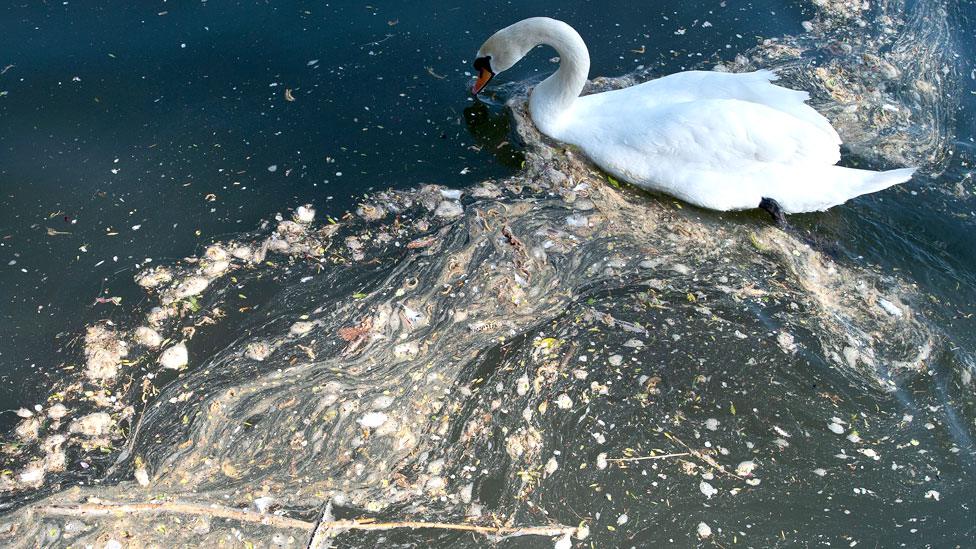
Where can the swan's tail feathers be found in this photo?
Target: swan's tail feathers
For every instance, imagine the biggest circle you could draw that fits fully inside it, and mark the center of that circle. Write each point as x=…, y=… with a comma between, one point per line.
x=867, y=181
x=848, y=183
x=819, y=189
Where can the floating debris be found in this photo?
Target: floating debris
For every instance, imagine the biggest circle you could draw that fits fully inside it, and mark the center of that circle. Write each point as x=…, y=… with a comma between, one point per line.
x=406, y=360
x=373, y=420
x=448, y=209
x=32, y=476
x=707, y=489
x=96, y=424
x=551, y=466
x=786, y=342
x=175, y=357
x=257, y=350
x=305, y=214
x=745, y=468
x=57, y=411
x=104, y=351
x=301, y=328
x=188, y=288
x=154, y=277
x=142, y=476
x=147, y=337
x=28, y=429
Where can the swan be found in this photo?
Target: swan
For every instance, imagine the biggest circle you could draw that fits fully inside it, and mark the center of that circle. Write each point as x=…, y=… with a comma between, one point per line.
x=722, y=141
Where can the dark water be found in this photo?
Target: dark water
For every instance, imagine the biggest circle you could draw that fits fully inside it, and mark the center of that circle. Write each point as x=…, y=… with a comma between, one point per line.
x=136, y=134
x=188, y=103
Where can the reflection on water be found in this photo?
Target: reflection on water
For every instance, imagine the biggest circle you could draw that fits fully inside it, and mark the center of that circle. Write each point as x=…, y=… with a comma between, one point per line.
x=545, y=349
x=493, y=131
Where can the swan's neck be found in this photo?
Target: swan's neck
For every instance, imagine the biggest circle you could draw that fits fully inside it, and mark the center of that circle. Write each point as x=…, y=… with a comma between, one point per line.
x=554, y=97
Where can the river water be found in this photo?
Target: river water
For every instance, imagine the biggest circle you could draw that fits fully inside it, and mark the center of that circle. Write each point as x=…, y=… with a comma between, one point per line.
x=558, y=351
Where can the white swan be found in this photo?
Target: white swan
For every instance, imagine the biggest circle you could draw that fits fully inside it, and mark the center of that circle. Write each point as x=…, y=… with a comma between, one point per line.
x=717, y=140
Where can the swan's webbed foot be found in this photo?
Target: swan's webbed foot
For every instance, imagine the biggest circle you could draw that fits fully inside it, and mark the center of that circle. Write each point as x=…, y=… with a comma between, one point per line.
x=775, y=210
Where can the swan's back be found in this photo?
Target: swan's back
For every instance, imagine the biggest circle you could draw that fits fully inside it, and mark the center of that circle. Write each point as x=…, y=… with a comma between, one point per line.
x=719, y=140
x=753, y=87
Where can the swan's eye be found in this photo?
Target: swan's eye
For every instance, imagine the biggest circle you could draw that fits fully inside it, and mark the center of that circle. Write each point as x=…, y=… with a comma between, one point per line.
x=483, y=63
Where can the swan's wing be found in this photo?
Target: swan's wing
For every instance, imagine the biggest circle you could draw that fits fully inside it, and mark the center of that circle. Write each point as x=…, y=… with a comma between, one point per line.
x=720, y=134
x=753, y=87
x=725, y=154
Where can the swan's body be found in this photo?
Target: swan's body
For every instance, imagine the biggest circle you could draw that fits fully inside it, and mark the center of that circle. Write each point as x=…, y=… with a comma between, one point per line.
x=717, y=140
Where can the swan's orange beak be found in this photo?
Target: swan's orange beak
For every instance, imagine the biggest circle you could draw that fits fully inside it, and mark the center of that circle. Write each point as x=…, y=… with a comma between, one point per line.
x=484, y=76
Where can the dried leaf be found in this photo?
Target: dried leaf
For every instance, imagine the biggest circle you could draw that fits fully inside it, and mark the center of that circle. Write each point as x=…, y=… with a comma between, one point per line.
x=228, y=469
x=421, y=242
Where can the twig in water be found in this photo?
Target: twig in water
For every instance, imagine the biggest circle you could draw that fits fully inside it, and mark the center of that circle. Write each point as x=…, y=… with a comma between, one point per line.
x=334, y=527
x=378, y=42
x=328, y=528
x=702, y=456
x=110, y=509
x=430, y=71
x=643, y=458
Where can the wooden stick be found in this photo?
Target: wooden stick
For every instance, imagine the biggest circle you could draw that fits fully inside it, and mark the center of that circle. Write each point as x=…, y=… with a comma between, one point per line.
x=702, y=456
x=110, y=509
x=642, y=458
x=337, y=526
x=358, y=524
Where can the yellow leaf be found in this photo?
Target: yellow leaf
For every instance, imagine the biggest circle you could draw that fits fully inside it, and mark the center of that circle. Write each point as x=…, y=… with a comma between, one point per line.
x=229, y=470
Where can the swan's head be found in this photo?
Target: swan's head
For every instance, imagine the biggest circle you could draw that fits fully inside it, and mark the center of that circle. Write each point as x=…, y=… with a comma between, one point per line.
x=504, y=49
x=485, y=74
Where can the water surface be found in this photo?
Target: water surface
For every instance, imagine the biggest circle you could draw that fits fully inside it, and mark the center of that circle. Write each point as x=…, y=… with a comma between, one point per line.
x=133, y=136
